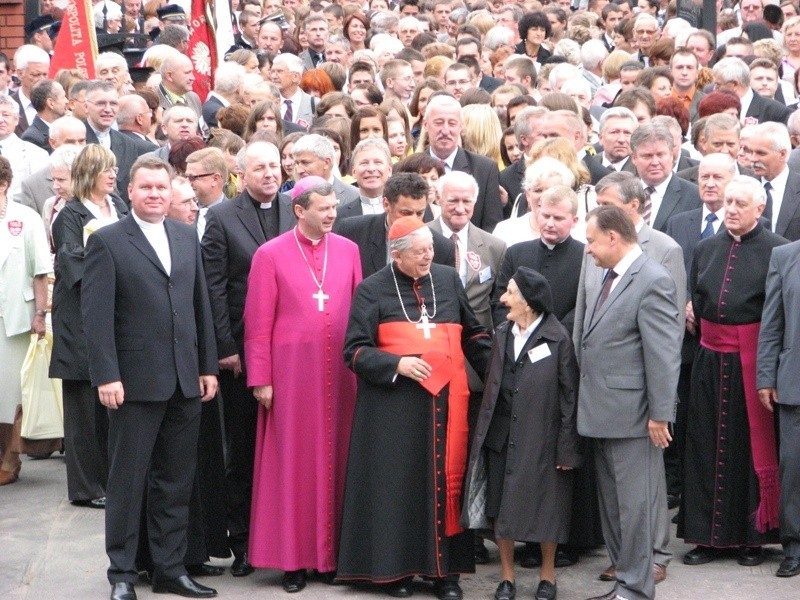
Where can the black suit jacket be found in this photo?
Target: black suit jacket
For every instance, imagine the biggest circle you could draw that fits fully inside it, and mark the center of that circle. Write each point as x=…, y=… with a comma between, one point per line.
x=765, y=109
x=23, y=124
x=596, y=169
x=125, y=151
x=143, y=146
x=788, y=224
x=38, y=133
x=369, y=232
x=488, y=210
x=511, y=179
x=353, y=209
x=233, y=234
x=685, y=161
x=490, y=84
x=679, y=197
x=210, y=109
x=150, y=330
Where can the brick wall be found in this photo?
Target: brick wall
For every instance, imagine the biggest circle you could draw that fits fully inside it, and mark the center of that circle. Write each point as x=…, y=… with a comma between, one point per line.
x=12, y=26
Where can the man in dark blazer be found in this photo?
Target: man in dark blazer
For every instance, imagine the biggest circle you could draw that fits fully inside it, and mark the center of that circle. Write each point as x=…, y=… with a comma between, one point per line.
x=32, y=64
x=443, y=123
x=134, y=120
x=556, y=255
x=153, y=359
x=733, y=73
x=778, y=383
x=769, y=149
x=652, y=148
x=526, y=130
x=234, y=230
x=50, y=102
x=102, y=104
x=629, y=356
x=405, y=194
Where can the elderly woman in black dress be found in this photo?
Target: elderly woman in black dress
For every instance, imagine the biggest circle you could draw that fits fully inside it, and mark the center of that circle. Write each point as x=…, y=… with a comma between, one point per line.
x=526, y=444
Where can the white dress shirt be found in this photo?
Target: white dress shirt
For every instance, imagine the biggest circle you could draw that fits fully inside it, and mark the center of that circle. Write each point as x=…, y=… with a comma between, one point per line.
x=371, y=206
x=777, y=191
x=624, y=264
x=717, y=223
x=448, y=162
x=462, y=248
x=521, y=337
x=156, y=234
x=657, y=197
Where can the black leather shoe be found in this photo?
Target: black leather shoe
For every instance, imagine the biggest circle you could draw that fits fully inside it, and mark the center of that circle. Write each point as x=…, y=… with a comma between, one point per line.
x=183, y=586
x=447, y=590
x=123, y=591
x=93, y=503
x=327, y=577
x=790, y=566
x=240, y=566
x=294, y=581
x=750, y=556
x=545, y=591
x=481, y=554
x=673, y=501
x=565, y=559
x=204, y=570
x=699, y=556
x=401, y=588
x=506, y=590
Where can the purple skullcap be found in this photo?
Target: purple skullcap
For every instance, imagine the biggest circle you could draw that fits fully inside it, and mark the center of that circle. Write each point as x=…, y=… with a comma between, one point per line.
x=305, y=184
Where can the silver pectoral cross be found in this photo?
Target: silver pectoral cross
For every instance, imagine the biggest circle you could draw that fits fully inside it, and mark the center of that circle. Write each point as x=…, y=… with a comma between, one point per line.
x=426, y=326
x=320, y=297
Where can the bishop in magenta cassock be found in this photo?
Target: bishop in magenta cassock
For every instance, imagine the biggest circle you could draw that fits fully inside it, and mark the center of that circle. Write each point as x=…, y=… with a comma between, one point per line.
x=410, y=328
x=300, y=287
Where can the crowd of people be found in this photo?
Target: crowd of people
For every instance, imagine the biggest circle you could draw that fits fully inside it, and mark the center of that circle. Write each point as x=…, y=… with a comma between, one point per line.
x=414, y=276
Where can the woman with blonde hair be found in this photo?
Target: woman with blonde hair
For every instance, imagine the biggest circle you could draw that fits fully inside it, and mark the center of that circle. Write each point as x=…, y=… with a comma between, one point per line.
x=482, y=132
x=539, y=176
x=791, y=41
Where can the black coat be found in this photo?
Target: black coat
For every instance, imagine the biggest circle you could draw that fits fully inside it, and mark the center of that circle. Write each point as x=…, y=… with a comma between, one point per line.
x=233, y=234
x=511, y=179
x=679, y=197
x=39, y=134
x=125, y=151
x=765, y=109
x=369, y=232
x=536, y=501
x=488, y=211
x=70, y=359
x=143, y=146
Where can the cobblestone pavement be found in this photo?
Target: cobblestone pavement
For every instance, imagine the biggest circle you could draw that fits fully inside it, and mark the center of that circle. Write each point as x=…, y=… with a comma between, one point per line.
x=50, y=549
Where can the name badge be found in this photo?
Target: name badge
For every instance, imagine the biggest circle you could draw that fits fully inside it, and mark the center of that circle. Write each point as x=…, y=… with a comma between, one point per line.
x=485, y=275
x=538, y=353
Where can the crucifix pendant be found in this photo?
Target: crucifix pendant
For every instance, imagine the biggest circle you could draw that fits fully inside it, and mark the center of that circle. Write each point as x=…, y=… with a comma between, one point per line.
x=426, y=326
x=320, y=297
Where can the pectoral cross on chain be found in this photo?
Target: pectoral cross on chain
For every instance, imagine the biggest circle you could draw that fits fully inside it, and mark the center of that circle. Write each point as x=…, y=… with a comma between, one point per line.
x=320, y=297
x=426, y=326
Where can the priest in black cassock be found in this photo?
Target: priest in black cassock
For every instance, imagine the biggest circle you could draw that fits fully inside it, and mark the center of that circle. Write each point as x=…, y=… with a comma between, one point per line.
x=409, y=331
x=731, y=490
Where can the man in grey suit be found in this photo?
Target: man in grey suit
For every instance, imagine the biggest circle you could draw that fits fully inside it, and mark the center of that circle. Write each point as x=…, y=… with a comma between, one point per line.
x=296, y=106
x=316, y=30
x=778, y=382
x=629, y=353
x=314, y=155
x=38, y=186
x=178, y=123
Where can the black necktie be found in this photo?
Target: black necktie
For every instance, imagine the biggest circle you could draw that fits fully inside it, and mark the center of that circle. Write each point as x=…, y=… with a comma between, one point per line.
x=607, y=283
x=709, y=229
x=768, y=208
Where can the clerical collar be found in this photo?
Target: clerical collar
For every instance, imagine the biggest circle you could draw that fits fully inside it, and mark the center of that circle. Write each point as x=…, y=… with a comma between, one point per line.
x=147, y=225
x=749, y=235
x=378, y=200
x=409, y=277
x=553, y=246
x=263, y=205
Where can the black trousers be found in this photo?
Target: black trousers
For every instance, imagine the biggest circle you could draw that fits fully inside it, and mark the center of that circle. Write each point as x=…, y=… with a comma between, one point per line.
x=152, y=446
x=85, y=441
x=240, y=410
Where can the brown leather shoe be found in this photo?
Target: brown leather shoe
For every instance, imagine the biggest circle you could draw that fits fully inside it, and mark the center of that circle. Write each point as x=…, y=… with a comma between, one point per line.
x=659, y=572
x=610, y=574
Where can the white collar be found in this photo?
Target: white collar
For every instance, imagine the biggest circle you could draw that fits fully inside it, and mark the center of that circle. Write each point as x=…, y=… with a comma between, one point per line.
x=448, y=161
x=626, y=261
x=147, y=225
x=780, y=180
x=515, y=329
x=448, y=233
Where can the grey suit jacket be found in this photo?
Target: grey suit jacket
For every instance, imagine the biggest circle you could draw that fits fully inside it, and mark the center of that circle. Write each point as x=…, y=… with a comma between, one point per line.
x=794, y=160
x=778, y=351
x=304, y=114
x=630, y=355
x=36, y=189
x=788, y=223
x=161, y=152
x=344, y=193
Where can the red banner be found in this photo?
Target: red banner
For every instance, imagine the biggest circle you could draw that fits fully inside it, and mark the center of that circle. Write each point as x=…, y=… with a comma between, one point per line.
x=202, y=49
x=76, y=45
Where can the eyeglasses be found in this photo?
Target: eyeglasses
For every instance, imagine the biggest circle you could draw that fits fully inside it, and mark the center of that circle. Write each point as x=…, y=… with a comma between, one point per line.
x=193, y=178
x=110, y=170
x=104, y=103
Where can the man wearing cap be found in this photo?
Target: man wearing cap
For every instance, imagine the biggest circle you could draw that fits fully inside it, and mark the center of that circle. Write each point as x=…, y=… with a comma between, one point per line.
x=38, y=31
x=409, y=331
x=300, y=286
x=171, y=14
x=234, y=231
x=405, y=194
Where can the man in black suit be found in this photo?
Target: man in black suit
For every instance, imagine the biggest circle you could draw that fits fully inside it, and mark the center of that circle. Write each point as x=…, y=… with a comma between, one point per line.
x=404, y=195
x=228, y=80
x=32, y=64
x=652, y=148
x=556, y=255
x=616, y=128
x=134, y=119
x=527, y=128
x=102, y=105
x=733, y=74
x=371, y=165
x=233, y=232
x=443, y=123
x=50, y=102
x=768, y=149
x=153, y=359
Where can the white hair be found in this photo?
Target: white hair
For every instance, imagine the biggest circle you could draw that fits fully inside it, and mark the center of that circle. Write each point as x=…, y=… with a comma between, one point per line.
x=442, y=102
x=409, y=22
x=290, y=61
x=457, y=178
x=28, y=53
x=110, y=59
x=256, y=149
x=563, y=71
x=112, y=12
x=58, y=126
x=544, y=168
x=497, y=36
x=63, y=156
x=577, y=86
x=593, y=53
x=228, y=77
x=749, y=186
x=569, y=49
x=383, y=42
x=777, y=133
x=404, y=243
